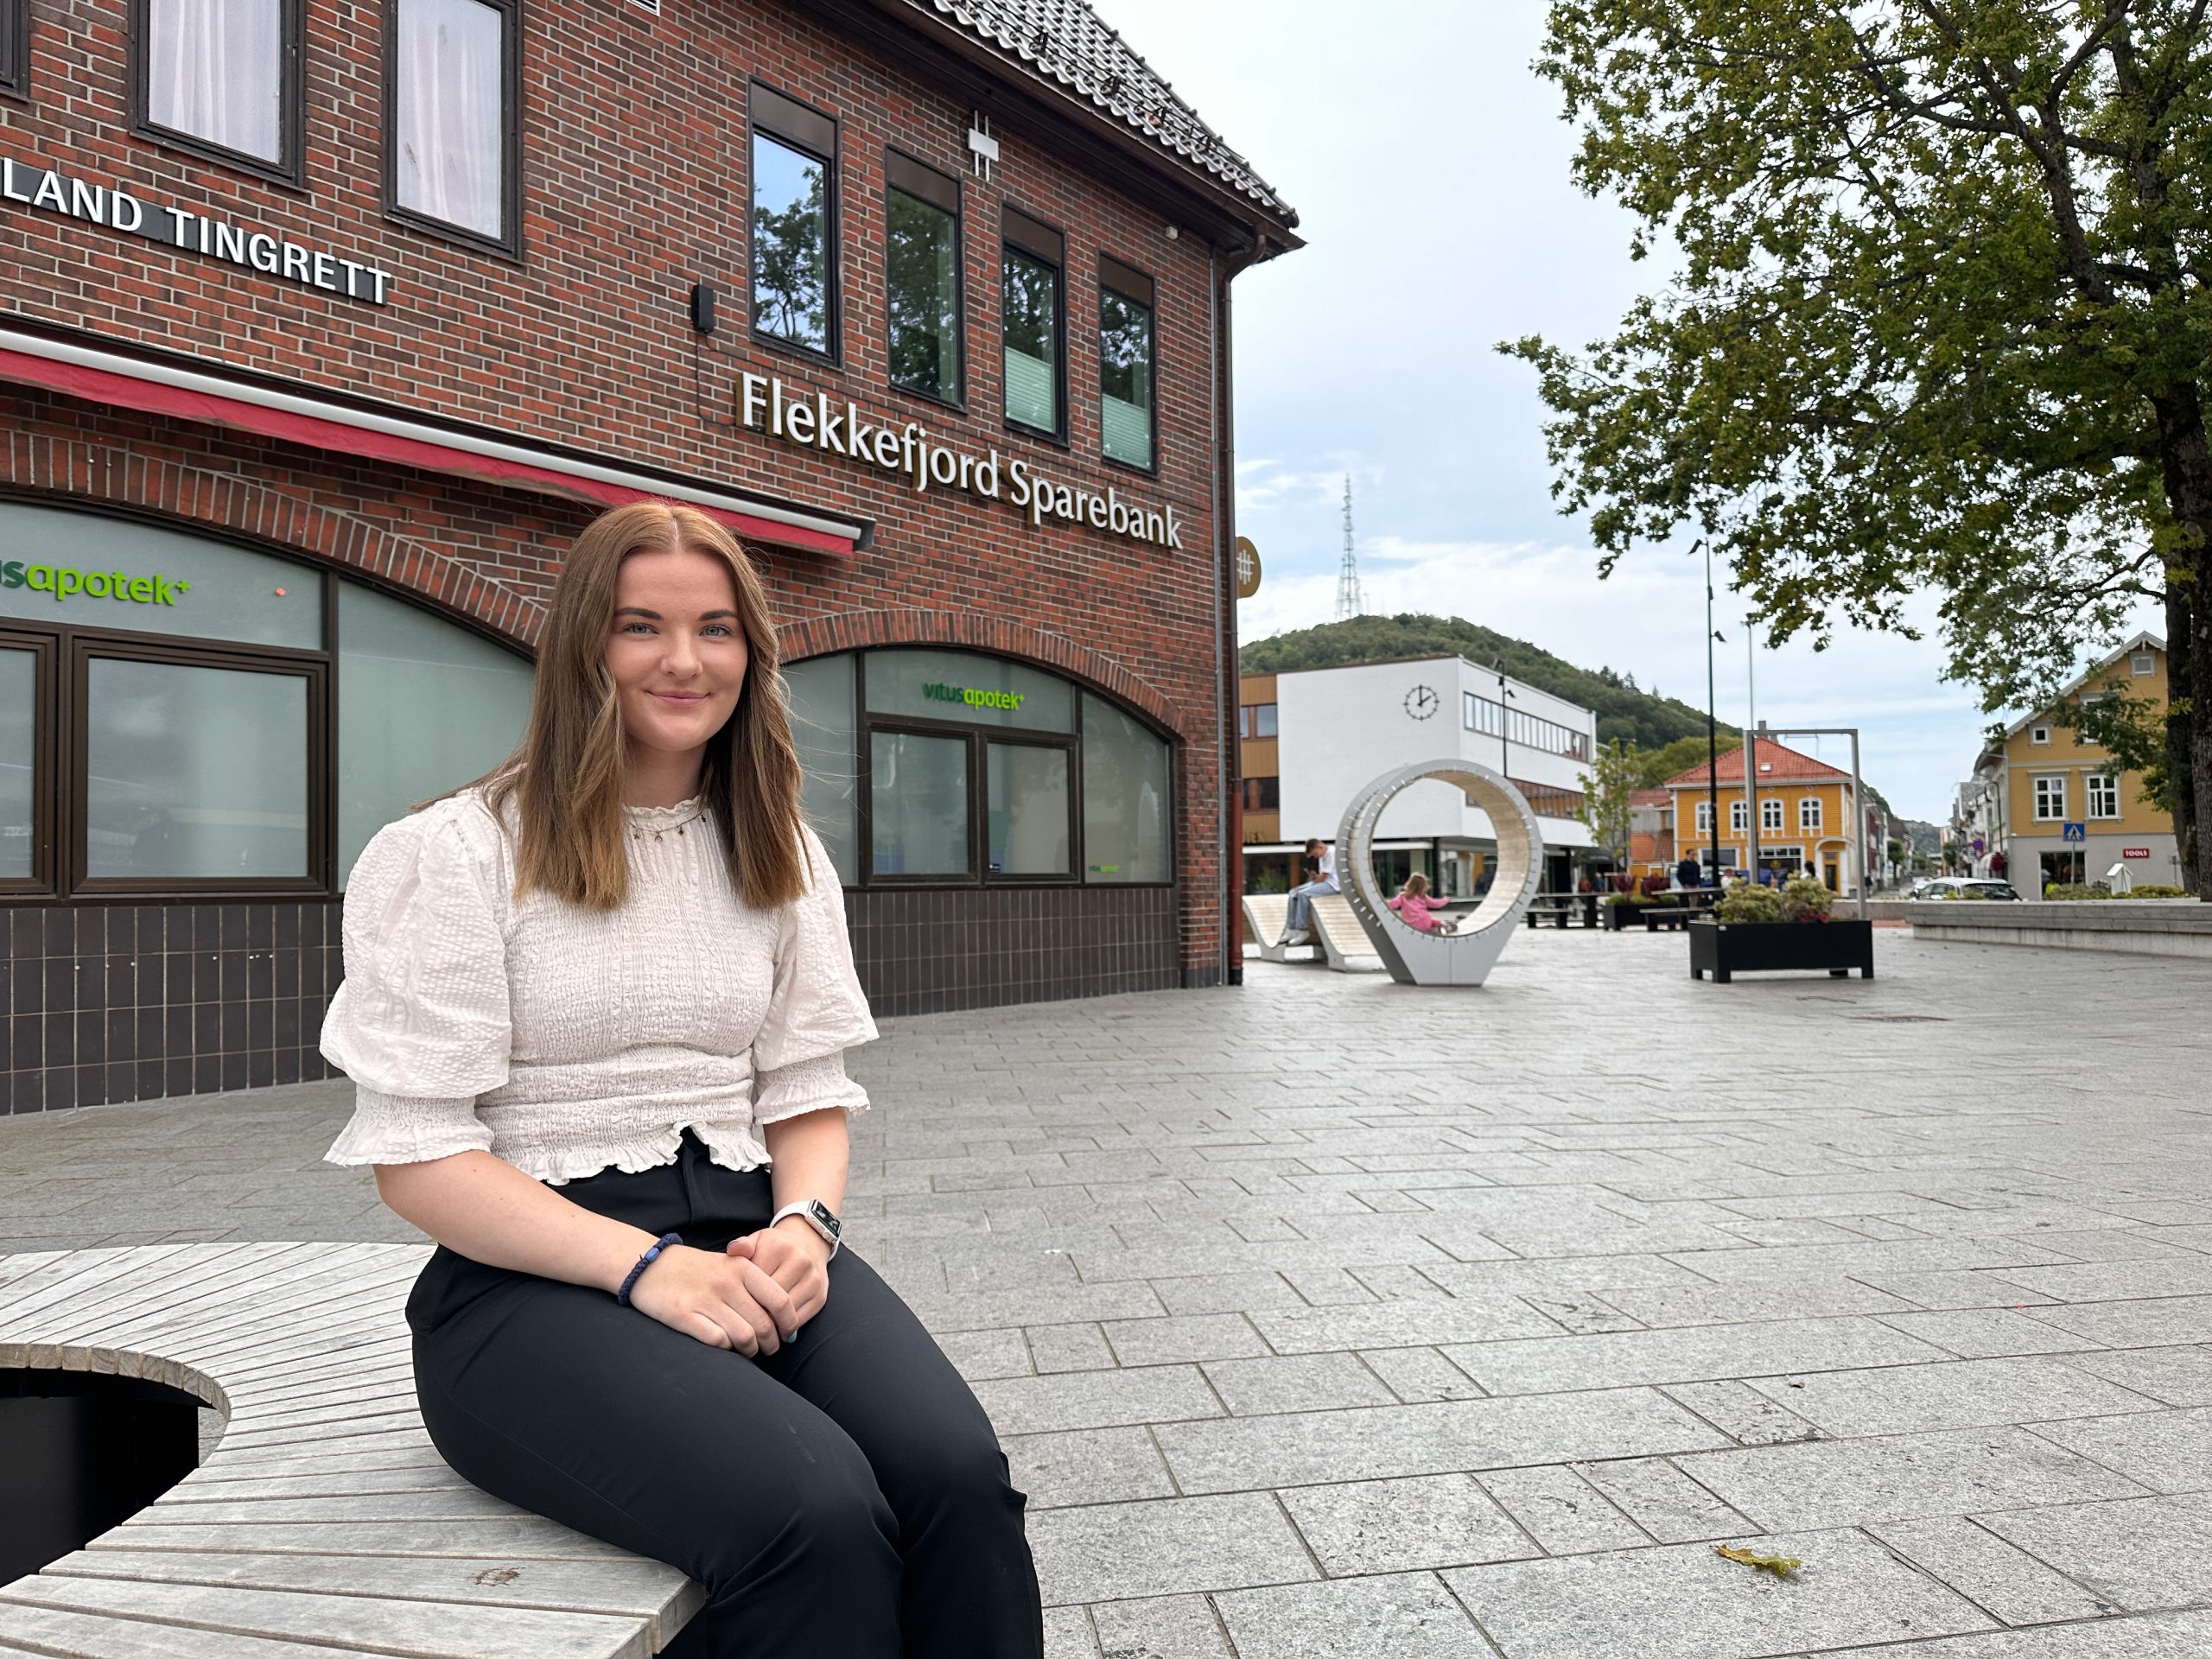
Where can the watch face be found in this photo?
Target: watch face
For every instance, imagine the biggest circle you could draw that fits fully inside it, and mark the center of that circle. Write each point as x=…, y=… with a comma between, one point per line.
x=825, y=1218
x=1421, y=703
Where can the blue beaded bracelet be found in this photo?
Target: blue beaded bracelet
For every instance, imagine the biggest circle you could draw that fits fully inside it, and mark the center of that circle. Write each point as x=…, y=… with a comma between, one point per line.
x=645, y=1262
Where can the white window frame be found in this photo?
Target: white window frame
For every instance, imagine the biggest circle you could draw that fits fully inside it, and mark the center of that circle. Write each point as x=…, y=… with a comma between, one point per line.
x=1705, y=817
x=1774, y=818
x=2143, y=663
x=2039, y=734
x=2048, y=786
x=1739, y=815
x=2102, y=789
x=1809, y=812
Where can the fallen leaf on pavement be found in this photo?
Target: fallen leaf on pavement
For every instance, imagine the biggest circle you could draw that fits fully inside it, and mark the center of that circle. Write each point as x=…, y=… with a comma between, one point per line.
x=1781, y=1566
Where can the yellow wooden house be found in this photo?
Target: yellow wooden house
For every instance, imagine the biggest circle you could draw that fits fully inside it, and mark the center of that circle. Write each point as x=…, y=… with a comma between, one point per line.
x=1805, y=812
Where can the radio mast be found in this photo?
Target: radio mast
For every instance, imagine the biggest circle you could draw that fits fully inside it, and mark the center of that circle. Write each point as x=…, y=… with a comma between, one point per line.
x=1348, y=600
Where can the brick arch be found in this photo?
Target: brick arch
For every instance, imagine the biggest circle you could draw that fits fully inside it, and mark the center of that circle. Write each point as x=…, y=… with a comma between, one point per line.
x=43, y=469
x=819, y=636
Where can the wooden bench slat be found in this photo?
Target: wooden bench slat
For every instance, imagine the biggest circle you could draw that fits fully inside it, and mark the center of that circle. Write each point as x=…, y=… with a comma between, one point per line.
x=521, y=1536
x=417, y=1630
x=635, y=1587
x=348, y=1483
x=81, y=1316
x=239, y=1287
x=459, y=1503
x=244, y=1459
x=92, y=1635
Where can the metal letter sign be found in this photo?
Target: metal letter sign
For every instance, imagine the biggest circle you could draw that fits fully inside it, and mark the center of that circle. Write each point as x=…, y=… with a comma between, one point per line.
x=2076, y=832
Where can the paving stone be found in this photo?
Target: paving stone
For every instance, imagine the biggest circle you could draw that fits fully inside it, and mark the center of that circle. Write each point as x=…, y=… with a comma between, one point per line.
x=1177, y=1340
x=2153, y=1552
x=1418, y=1375
x=1168, y=1547
x=1154, y=1394
x=1989, y=1332
x=1662, y=1500
x=1997, y=1578
x=1308, y=1448
x=2173, y=1376
x=1561, y=1510
x=2165, y=1450
x=1302, y=1383
x=1689, y=1355
x=2168, y=1636
x=2134, y=1324
x=1088, y=1465
x=1398, y=1324
x=1397, y=1526
x=1900, y=1477
x=1812, y=1296
x=1055, y=1348
x=1159, y=1627
x=1412, y=1616
x=1685, y=1602
x=1741, y=1412
x=979, y=1354
x=1961, y=1394
x=1226, y=1293
x=1068, y=1634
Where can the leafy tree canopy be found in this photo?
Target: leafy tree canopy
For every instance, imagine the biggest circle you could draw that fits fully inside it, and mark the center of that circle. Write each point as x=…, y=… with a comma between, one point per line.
x=1939, y=319
x=1635, y=716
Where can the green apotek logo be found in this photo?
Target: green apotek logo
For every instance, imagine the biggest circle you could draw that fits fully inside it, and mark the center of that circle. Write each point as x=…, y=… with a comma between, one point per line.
x=62, y=580
x=972, y=697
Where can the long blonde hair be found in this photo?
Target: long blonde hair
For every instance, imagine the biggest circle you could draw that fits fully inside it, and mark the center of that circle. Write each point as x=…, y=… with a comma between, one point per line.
x=565, y=778
x=1416, y=883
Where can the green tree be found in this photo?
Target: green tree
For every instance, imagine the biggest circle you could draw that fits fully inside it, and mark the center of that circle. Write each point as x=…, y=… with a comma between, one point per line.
x=1605, y=804
x=1655, y=766
x=2133, y=729
x=1940, y=321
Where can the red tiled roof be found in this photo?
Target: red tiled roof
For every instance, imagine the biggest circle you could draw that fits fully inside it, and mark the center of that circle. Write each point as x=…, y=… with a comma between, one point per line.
x=1650, y=798
x=1777, y=765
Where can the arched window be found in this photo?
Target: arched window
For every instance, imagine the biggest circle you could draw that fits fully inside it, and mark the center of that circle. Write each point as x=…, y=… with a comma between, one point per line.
x=184, y=717
x=935, y=767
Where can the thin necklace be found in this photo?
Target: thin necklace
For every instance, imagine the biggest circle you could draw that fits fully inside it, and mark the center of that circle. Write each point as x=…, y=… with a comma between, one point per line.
x=636, y=834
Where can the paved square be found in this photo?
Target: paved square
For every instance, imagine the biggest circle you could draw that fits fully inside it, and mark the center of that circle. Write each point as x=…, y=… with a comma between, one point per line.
x=1329, y=1317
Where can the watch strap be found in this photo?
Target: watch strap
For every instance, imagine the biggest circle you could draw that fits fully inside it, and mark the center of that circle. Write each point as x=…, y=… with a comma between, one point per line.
x=813, y=1212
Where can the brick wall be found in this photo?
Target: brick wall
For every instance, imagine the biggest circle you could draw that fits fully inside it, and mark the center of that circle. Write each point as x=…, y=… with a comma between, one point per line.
x=634, y=188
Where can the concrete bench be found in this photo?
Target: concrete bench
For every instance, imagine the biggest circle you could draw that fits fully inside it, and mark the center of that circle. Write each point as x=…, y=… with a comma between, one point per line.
x=324, y=1523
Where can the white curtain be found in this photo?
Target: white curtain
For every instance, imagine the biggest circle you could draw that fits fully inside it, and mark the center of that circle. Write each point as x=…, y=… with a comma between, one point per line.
x=449, y=93
x=215, y=70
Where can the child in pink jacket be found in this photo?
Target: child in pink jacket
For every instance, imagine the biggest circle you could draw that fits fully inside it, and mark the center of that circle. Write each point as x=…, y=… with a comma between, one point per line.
x=1414, y=905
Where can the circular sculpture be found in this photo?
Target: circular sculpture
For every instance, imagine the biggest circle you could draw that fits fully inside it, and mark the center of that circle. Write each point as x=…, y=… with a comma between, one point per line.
x=1464, y=956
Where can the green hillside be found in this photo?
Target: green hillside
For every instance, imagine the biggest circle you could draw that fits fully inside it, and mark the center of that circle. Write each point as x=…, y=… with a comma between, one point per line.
x=1623, y=709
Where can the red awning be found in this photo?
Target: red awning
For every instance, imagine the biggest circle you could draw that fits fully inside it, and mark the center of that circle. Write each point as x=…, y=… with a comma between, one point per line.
x=213, y=399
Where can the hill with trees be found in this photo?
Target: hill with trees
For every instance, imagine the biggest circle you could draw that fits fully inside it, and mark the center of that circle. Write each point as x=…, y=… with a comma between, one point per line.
x=1624, y=710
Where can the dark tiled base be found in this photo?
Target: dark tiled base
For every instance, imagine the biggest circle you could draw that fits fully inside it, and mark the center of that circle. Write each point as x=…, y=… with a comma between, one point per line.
x=114, y=1002
x=925, y=952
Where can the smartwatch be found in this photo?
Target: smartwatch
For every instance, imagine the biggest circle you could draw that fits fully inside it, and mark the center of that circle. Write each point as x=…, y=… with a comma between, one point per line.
x=816, y=1215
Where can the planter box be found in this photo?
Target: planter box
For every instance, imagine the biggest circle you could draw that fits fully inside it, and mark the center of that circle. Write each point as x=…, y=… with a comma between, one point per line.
x=1724, y=949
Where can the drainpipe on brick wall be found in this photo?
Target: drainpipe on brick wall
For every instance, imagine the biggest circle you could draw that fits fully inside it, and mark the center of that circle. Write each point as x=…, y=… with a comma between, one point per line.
x=1222, y=365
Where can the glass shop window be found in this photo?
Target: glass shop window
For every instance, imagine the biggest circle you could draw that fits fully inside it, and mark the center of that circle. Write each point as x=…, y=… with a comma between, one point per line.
x=794, y=223
x=921, y=278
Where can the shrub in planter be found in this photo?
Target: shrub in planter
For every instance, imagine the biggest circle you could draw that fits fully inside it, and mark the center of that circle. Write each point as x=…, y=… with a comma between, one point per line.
x=1804, y=899
x=2156, y=890
x=2074, y=890
x=1748, y=902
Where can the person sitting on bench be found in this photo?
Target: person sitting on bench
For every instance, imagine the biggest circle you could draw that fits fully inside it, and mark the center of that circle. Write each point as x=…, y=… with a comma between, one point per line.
x=1322, y=856
x=1416, y=907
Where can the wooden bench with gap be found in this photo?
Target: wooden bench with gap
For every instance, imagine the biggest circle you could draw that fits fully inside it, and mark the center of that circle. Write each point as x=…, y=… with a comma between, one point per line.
x=323, y=1523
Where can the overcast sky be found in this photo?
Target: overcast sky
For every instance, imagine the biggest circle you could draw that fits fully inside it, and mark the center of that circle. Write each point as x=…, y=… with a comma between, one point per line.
x=1429, y=167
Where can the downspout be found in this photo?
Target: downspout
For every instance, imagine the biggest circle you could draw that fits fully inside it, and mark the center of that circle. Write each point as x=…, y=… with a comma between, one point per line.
x=1220, y=368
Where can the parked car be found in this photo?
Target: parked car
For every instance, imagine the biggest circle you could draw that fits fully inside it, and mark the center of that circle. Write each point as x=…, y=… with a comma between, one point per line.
x=1962, y=887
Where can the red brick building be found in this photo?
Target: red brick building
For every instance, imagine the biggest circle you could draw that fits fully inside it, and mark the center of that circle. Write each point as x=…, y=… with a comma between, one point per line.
x=323, y=327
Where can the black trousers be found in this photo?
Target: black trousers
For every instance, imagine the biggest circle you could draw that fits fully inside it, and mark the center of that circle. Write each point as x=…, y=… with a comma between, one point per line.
x=845, y=1497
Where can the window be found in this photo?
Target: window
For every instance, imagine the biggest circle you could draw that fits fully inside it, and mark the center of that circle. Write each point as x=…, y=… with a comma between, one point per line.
x=1771, y=815
x=1256, y=720
x=1033, y=317
x=1127, y=412
x=794, y=223
x=1485, y=717
x=453, y=133
x=2050, y=798
x=921, y=278
x=2039, y=734
x=1705, y=817
x=1809, y=812
x=1263, y=794
x=286, y=716
x=221, y=77
x=1525, y=731
x=1737, y=816
x=15, y=47
x=2104, y=796
x=2143, y=663
x=978, y=770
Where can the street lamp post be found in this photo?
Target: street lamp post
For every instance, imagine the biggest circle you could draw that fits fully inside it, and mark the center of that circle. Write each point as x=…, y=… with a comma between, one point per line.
x=1750, y=749
x=1712, y=724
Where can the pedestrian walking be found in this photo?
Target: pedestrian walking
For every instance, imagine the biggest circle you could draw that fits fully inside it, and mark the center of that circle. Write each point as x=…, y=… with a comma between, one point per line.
x=595, y=1010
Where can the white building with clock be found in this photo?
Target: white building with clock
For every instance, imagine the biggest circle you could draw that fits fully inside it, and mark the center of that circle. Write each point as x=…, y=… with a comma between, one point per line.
x=1311, y=738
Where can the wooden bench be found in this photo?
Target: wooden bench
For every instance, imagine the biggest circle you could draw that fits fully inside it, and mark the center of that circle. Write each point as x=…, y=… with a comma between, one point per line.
x=1336, y=928
x=1672, y=917
x=1267, y=915
x=324, y=1523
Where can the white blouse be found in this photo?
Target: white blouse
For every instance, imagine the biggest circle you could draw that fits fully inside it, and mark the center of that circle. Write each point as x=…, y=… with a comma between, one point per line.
x=568, y=1041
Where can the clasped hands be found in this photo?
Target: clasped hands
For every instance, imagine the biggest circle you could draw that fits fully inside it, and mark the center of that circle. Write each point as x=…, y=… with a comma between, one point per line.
x=751, y=1296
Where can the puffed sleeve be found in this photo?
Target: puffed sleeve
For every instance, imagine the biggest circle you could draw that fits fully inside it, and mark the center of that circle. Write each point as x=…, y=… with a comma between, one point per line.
x=421, y=1020
x=816, y=1010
